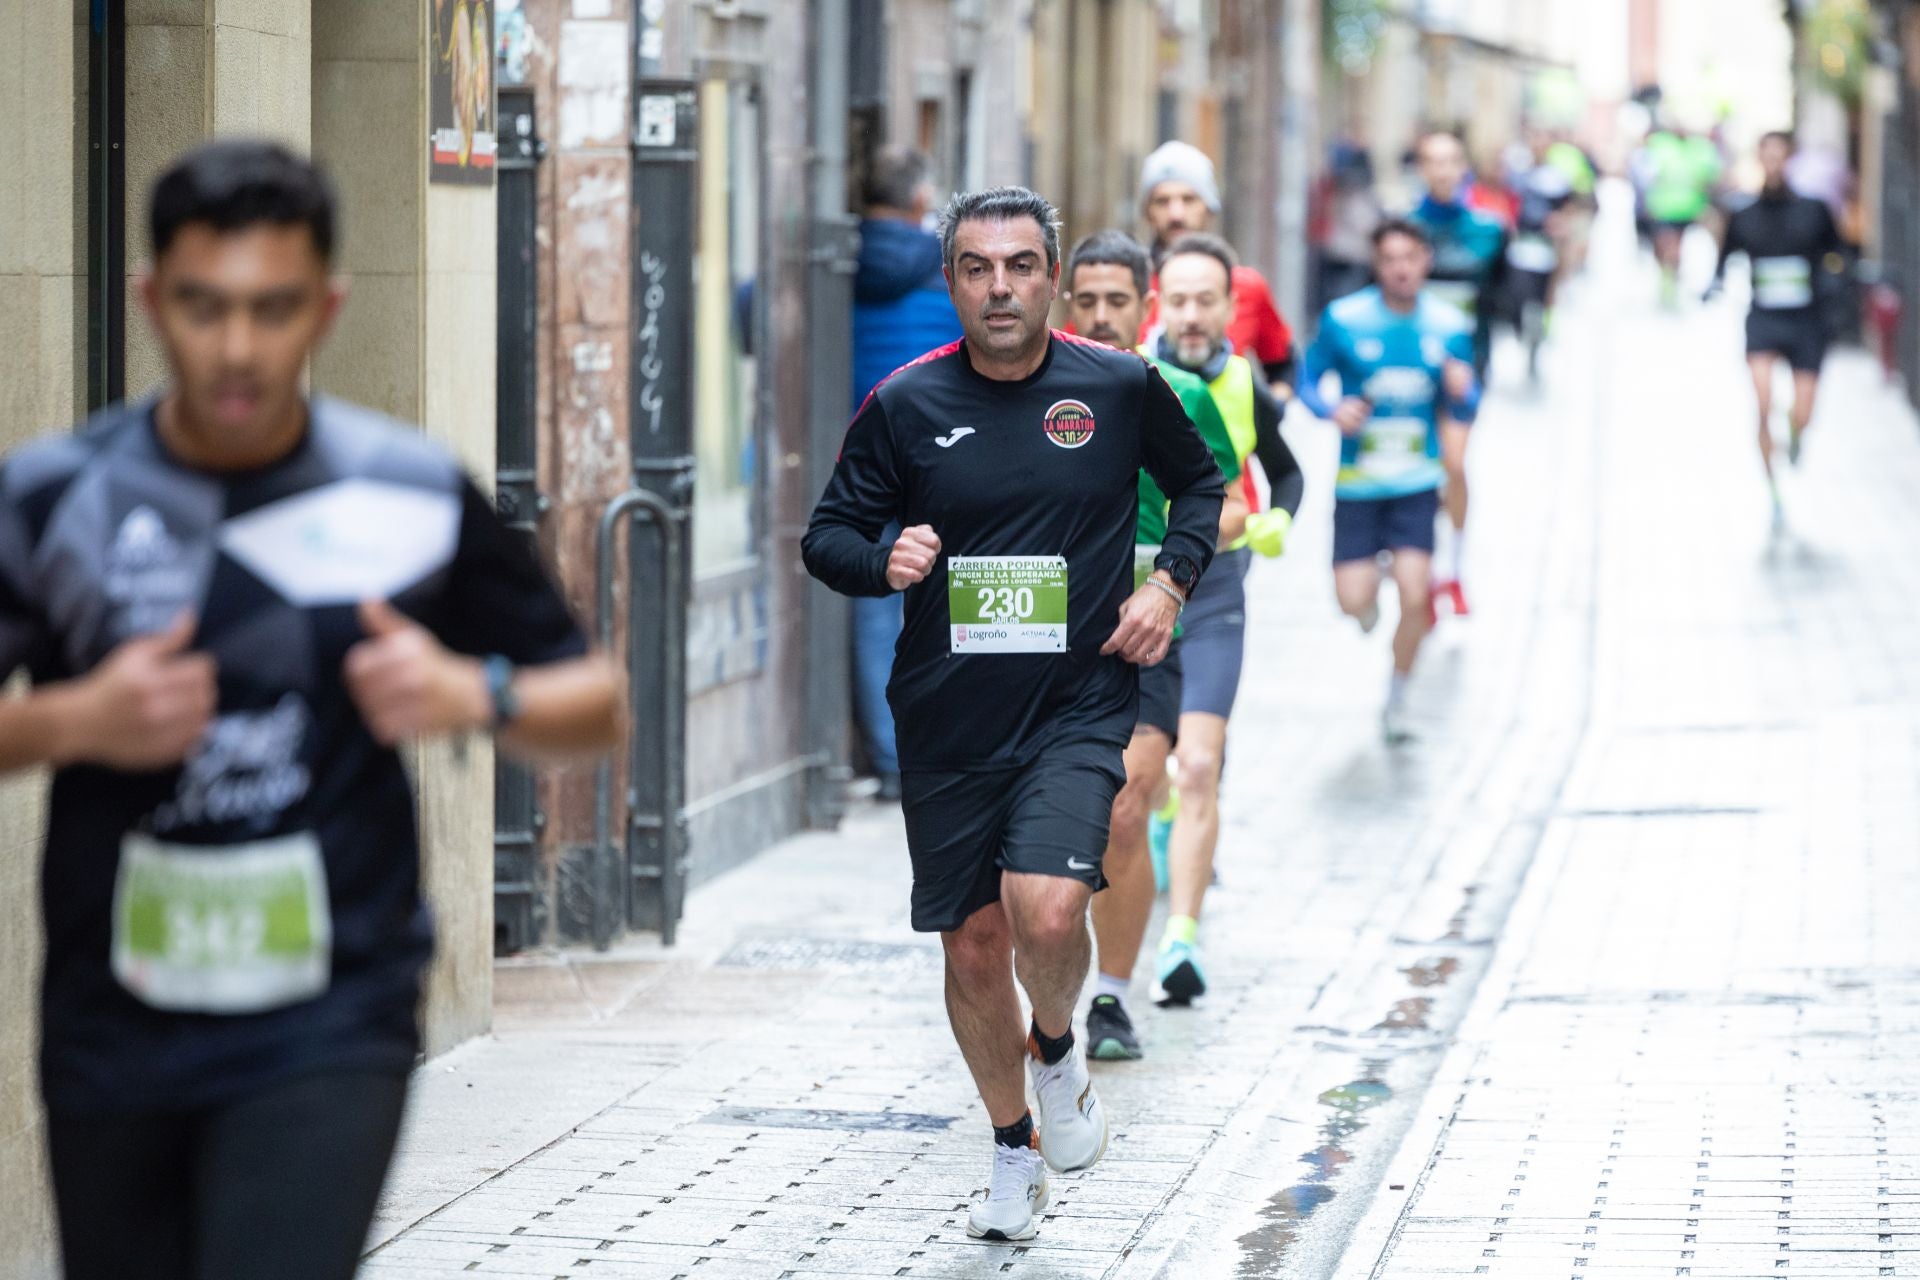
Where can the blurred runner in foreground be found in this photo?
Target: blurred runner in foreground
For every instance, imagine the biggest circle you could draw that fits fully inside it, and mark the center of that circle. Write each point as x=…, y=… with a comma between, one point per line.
x=236, y=604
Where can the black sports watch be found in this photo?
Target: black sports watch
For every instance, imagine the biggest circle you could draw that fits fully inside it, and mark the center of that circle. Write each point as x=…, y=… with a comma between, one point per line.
x=506, y=704
x=1184, y=572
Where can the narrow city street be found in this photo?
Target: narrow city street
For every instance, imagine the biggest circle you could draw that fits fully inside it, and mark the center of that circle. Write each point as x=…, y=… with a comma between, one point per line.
x=1611, y=971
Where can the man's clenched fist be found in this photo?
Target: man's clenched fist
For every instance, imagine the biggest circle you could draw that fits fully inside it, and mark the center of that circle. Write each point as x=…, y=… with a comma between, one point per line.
x=1351, y=415
x=1147, y=619
x=912, y=557
x=407, y=685
x=147, y=705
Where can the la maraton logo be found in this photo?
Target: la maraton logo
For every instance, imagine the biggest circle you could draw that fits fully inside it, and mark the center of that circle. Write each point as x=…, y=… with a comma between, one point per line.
x=1069, y=424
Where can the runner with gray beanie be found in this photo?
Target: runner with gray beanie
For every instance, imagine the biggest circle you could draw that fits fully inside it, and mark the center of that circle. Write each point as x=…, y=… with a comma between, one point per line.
x=1180, y=195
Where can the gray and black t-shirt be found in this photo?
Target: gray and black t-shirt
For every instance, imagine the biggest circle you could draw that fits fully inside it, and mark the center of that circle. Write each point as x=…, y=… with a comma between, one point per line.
x=104, y=537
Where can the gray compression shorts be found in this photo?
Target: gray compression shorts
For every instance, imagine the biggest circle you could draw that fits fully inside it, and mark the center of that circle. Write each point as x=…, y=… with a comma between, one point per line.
x=1213, y=637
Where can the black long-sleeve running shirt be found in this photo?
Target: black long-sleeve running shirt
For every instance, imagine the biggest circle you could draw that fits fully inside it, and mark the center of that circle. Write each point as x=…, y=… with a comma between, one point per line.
x=1786, y=238
x=1045, y=466
x=1286, y=483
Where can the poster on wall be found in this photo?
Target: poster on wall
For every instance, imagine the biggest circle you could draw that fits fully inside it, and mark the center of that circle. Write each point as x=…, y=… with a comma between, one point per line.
x=461, y=143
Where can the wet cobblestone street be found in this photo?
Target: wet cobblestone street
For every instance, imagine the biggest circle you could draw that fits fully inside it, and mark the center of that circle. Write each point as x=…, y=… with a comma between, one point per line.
x=1614, y=971
x=1696, y=1054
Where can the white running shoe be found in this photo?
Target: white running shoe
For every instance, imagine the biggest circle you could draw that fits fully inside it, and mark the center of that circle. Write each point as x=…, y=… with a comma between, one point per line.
x=1016, y=1193
x=1073, y=1124
x=1394, y=725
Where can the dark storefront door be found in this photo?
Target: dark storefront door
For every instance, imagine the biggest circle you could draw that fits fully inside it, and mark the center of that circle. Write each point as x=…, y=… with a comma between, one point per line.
x=517, y=819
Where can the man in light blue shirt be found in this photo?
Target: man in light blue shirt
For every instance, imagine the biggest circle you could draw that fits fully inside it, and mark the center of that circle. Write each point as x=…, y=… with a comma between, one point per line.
x=1404, y=359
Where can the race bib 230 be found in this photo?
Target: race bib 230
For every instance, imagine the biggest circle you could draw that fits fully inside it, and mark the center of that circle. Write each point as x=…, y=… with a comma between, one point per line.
x=1007, y=604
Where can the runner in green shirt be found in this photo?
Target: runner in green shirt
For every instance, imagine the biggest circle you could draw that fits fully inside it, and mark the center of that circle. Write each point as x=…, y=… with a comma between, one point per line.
x=1681, y=170
x=1108, y=288
x=1198, y=402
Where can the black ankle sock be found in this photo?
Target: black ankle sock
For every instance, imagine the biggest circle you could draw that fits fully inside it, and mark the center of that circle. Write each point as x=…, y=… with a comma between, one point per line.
x=1051, y=1050
x=1017, y=1134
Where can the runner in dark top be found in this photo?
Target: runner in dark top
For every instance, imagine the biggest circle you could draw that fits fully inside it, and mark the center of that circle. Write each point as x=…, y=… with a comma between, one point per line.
x=1011, y=461
x=1787, y=238
x=233, y=604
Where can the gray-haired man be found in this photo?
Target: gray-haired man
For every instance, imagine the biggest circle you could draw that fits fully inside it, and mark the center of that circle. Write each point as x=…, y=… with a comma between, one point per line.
x=1010, y=460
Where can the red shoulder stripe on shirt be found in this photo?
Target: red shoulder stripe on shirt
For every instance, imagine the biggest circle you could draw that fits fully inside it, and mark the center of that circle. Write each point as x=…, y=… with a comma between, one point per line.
x=937, y=353
x=1074, y=339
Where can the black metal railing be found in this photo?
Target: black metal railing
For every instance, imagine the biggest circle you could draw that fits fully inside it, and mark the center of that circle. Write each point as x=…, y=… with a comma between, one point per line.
x=640, y=882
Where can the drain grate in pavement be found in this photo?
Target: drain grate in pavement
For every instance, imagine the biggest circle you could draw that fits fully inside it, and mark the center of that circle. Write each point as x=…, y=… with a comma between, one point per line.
x=811, y=1118
x=1668, y=811
x=1627, y=1000
x=802, y=952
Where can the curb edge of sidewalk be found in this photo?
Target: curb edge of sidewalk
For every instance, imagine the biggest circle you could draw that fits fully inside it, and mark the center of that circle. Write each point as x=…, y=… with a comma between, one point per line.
x=1370, y=1246
x=1373, y=1239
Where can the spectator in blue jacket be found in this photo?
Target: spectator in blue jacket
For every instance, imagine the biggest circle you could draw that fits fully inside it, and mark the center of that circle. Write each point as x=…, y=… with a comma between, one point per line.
x=900, y=312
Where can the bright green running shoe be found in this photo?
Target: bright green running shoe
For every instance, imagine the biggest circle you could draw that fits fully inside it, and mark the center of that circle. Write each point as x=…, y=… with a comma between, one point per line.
x=1180, y=980
x=1159, y=836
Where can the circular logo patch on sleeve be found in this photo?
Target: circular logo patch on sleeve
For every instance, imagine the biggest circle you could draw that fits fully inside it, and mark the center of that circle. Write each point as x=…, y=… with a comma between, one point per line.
x=1069, y=424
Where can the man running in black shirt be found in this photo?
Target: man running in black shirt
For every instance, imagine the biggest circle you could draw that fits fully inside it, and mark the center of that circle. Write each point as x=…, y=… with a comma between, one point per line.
x=1011, y=461
x=234, y=603
x=1787, y=238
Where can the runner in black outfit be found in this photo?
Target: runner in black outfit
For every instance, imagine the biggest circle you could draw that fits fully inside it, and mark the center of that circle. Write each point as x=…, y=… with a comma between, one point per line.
x=1787, y=238
x=234, y=602
x=1011, y=459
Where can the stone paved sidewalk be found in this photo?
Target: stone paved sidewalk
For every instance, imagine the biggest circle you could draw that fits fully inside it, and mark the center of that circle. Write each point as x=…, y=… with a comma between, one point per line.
x=780, y=1095
x=1686, y=740
x=1697, y=1053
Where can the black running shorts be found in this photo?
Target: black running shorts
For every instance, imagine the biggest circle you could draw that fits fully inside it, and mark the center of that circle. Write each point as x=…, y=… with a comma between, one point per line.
x=282, y=1182
x=1364, y=527
x=1160, y=695
x=1047, y=818
x=1798, y=336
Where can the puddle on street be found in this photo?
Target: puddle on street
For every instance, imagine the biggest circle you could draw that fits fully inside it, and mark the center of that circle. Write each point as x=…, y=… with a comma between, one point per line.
x=1457, y=926
x=1432, y=972
x=1414, y=1013
x=1407, y=1015
x=1265, y=1247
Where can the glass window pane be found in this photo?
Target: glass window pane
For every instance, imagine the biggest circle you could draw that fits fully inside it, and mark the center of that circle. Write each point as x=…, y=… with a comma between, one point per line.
x=726, y=263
